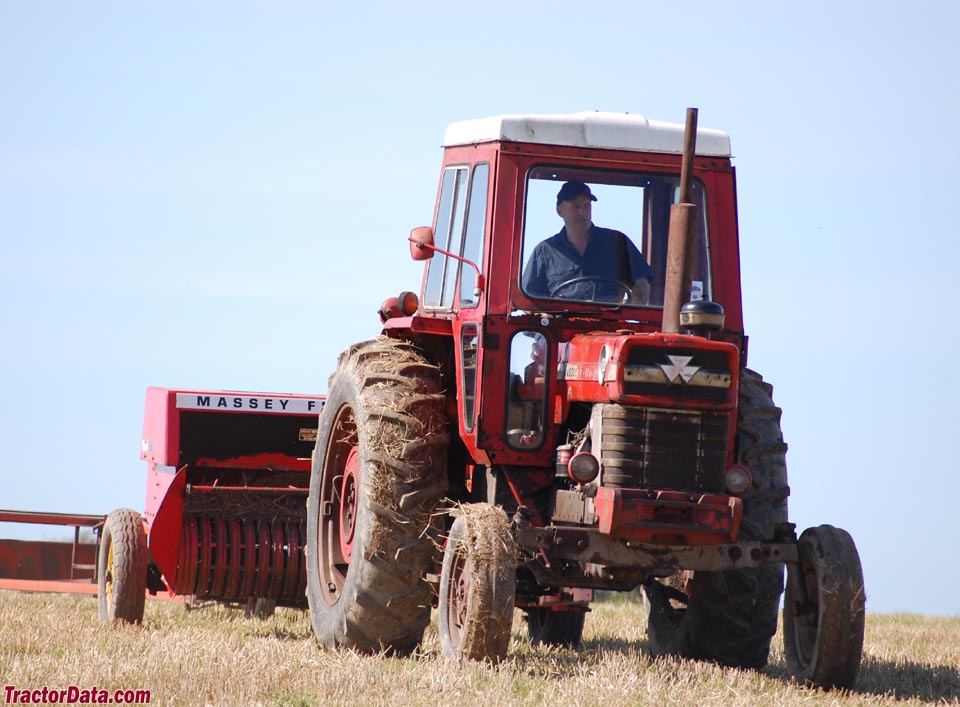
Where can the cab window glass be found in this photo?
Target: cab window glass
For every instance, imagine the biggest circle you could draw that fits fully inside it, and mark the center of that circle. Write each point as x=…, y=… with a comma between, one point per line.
x=470, y=348
x=625, y=259
x=473, y=240
x=526, y=390
x=447, y=231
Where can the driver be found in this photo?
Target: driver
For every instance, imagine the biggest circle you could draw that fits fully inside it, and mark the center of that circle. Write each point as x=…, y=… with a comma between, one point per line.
x=583, y=261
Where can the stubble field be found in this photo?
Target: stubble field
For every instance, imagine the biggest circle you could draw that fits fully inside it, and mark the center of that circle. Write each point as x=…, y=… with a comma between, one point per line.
x=217, y=656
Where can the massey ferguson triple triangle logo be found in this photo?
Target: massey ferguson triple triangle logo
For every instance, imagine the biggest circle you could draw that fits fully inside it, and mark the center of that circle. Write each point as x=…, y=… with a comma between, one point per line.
x=679, y=367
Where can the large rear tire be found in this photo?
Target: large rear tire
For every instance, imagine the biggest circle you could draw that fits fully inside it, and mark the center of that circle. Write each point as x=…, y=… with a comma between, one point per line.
x=122, y=568
x=478, y=585
x=824, y=611
x=379, y=472
x=730, y=617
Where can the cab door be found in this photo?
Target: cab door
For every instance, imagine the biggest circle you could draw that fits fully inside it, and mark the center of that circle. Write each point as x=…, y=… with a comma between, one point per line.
x=450, y=287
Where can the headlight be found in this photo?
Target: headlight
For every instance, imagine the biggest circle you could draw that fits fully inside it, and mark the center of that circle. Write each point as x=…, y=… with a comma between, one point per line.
x=583, y=468
x=737, y=479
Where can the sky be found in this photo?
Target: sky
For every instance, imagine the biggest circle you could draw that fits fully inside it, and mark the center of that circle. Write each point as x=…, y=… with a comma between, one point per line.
x=218, y=195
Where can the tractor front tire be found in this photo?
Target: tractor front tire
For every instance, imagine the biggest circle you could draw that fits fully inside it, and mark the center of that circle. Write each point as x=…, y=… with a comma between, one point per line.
x=730, y=617
x=478, y=585
x=824, y=610
x=379, y=472
x=122, y=568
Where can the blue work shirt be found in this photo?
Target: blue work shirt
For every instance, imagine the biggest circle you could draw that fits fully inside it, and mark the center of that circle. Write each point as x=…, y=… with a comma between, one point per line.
x=555, y=260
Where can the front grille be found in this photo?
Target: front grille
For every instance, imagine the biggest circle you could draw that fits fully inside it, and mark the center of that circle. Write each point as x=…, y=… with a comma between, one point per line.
x=680, y=450
x=644, y=373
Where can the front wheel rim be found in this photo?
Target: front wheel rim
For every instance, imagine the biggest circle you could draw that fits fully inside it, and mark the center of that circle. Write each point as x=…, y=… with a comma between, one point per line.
x=458, y=597
x=806, y=615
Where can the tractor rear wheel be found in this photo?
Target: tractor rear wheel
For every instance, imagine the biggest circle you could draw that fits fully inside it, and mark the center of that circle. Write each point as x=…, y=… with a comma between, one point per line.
x=379, y=472
x=824, y=610
x=122, y=568
x=551, y=627
x=477, y=585
x=730, y=617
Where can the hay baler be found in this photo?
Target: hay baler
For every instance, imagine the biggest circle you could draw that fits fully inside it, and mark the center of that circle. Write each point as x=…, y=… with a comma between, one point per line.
x=225, y=518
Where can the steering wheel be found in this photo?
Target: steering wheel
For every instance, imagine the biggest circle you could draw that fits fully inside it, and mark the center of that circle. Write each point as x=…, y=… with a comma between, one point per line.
x=595, y=280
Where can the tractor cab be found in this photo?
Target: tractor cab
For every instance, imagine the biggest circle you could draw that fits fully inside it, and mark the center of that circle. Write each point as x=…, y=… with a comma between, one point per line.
x=631, y=168
x=524, y=302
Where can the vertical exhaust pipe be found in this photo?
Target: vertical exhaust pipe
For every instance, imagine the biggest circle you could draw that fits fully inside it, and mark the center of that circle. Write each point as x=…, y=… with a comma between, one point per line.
x=680, y=239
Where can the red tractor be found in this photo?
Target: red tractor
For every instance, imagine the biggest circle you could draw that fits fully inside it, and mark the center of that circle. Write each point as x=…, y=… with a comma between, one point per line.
x=601, y=432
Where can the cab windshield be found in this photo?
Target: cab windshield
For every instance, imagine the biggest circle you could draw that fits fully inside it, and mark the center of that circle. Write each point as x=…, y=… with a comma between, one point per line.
x=601, y=236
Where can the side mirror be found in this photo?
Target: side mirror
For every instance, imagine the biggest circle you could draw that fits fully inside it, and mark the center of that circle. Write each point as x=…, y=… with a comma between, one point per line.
x=421, y=243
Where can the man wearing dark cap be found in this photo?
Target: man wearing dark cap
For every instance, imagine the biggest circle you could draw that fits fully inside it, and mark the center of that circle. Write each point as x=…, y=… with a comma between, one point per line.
x=585, y=262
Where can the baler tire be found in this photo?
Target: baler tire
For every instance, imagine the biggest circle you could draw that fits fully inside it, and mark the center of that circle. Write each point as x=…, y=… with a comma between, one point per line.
x=550, y=627
x=378, y=475
x=730, y=617
x=824, y=610
x=478, y=585
x=122, y=568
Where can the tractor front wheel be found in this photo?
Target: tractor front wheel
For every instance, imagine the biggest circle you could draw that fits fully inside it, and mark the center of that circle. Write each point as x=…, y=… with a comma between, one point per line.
x=824, y=610
x=379, y=472
x=122, y=568
x=477, y=585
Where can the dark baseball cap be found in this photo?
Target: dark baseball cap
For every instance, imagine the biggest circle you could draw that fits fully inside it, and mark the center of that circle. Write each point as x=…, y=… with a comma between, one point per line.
x=573, y=189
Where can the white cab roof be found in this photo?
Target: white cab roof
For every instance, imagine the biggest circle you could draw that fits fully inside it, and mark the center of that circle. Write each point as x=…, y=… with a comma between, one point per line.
x=615, y=131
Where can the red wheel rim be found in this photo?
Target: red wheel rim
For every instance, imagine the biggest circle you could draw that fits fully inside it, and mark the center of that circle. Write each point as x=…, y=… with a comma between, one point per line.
x=348, y=503
x=458, y=597
x=339, y=489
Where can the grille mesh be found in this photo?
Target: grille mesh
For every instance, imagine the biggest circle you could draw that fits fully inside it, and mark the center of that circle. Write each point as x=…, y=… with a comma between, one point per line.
x=656, y=448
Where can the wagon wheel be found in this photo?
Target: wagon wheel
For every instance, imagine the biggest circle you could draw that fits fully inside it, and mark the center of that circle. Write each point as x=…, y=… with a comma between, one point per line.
x=824, y=610
x=122, y=567
x=477, y=585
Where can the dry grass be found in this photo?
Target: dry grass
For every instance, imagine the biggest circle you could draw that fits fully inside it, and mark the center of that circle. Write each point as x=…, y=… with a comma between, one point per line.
x=217, y=656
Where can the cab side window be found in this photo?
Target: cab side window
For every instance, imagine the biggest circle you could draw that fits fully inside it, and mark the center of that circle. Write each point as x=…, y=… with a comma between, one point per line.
x=453, y=201
x=459, y=229
x=473, y=240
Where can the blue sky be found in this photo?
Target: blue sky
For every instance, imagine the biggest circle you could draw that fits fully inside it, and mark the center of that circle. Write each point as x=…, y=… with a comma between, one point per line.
x=217, y=195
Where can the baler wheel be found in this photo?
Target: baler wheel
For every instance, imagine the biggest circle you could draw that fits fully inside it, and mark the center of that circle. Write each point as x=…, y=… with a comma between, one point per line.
x=477, y=585
x=730, y=617
x=122, y=567
x=379, y=472
x=824, y=610
x=551, y=627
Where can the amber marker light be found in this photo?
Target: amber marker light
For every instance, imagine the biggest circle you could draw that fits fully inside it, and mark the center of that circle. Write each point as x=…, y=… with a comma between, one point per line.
x=409, y=303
